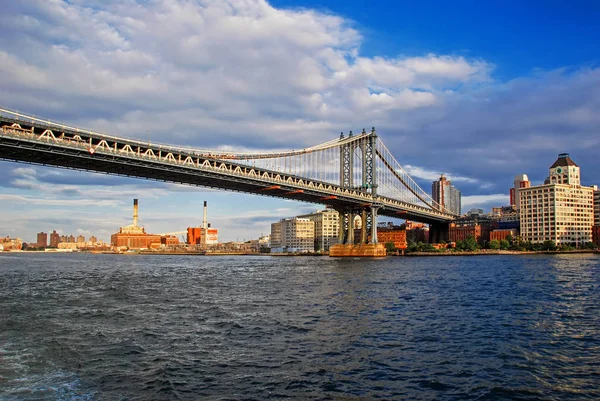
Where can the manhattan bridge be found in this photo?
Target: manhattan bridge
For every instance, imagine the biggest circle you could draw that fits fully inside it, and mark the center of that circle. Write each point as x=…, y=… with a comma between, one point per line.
x=354, y=174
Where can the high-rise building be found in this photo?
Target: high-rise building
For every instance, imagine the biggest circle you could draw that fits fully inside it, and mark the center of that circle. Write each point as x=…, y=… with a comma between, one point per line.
x=54, y=239
x=276, y=240
x=42, y=239
x=296, y=235
x=521, y=181
x=326, y=228
x=596, y=205
x=446, y=195
x=560, y=210
x=80, y=239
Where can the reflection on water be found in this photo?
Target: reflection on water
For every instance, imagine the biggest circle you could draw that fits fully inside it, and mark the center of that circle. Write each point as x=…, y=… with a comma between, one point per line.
x=87, y=327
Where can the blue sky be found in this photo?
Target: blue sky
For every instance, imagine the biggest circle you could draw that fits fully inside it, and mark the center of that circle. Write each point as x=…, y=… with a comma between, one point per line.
x=480, y=91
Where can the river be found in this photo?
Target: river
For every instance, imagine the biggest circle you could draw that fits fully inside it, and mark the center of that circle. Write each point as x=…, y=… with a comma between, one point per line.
x=120, y=327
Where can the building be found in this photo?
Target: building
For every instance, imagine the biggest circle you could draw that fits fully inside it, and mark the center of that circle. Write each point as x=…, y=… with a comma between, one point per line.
x=42, y=240
x=416, y=232
x=80, y=238
x=476, y=226
x=521, y=181
x=11, y=244
x=54, y=239
x=445, y=194
x=596, y=205
x=201, y=236
x=390, y=233
x=326, y=228
x=133, y=236
x=561, y=210
x=502, y=234
x=596, y=235
x=293, y=235
x=204, y=235
x=275, y=237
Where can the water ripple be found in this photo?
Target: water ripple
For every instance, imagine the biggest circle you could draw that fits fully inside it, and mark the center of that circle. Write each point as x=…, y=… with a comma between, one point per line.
x=103, y=327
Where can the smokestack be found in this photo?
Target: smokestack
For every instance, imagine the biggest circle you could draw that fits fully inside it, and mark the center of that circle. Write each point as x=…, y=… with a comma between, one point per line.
x=204, y=226
x=135, y=212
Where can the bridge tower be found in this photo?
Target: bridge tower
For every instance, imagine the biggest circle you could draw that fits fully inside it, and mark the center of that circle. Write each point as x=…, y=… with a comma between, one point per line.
x=367, y=242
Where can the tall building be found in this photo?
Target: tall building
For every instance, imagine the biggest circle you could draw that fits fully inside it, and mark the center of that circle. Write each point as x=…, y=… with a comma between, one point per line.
x=326, y=228
x=80, y=239
x=561, y=210
x=54, y=239
x=446, y=194
x=42, y=239
x=297, y=235
x=596, y=205
x=521, y=181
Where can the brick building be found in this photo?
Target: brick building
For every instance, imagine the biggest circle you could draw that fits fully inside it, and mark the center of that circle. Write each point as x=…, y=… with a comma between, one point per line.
x=394, y=234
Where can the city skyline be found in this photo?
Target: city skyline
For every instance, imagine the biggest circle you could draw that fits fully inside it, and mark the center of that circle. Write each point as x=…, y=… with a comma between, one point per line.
x=480, y=109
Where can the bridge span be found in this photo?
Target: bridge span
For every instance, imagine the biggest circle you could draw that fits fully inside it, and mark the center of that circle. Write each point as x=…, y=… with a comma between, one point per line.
x=354, y=174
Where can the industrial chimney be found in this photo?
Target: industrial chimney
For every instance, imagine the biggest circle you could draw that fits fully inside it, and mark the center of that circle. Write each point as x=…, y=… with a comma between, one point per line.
x=204, y=222
x=135, y=212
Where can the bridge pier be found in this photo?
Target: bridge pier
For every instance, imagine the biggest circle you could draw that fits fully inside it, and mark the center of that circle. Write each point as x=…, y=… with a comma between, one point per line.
x=439, y=232
x=367, y=246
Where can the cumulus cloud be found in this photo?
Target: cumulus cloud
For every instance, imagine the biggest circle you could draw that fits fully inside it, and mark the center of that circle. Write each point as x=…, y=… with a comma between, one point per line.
x=244, y=69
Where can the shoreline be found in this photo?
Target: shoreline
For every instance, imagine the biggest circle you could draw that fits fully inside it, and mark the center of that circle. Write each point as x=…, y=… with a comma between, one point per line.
x=496, y=253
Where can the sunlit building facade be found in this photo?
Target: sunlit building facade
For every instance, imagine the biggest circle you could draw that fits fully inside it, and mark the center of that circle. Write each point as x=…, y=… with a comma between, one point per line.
x=561, y=210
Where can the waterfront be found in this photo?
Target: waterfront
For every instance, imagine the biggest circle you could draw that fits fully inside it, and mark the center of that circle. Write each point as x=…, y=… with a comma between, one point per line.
x=104, y=327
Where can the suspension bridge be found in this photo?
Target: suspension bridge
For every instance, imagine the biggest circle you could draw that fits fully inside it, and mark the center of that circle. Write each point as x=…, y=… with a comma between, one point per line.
x=355, y=174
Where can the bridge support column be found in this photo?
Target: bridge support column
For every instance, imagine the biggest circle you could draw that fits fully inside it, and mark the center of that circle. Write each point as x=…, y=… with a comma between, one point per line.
x=363, y=227
x=374, y=224
x=342, y=233
x=351, y=228
x=439, y=232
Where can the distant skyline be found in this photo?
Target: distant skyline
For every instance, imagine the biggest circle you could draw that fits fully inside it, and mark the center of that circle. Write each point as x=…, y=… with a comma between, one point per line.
x=479, y=91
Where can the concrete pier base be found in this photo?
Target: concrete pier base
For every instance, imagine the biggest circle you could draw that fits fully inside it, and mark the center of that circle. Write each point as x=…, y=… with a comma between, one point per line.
x=360, y=250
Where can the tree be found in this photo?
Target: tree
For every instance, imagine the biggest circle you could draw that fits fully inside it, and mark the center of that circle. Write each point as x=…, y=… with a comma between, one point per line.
x=504, y=244
x=390, y=247
x=470, y=243
x=549, y=245
x=509, y=239
x=494, y=244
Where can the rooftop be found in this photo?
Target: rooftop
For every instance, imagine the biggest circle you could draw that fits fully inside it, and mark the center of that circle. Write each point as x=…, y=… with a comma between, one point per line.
x=563, y=161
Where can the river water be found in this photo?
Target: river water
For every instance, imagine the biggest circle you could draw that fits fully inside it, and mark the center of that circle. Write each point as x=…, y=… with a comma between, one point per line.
x=116, y=327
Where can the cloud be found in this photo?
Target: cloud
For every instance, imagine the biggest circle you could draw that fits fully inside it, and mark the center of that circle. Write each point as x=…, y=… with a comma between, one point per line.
x=419, y=172
x=484, y=201
x=228, y=72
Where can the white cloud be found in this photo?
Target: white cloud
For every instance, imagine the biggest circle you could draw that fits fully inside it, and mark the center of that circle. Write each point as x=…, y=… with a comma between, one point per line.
x=484, y=201
x=422, y=173
x=225, y=67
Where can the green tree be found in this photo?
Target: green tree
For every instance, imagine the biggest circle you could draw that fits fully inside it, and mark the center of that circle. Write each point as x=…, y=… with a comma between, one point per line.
x=494, y=244
x=549, y=245
x=390, y=247
x=470, y=243
x=504, y=244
